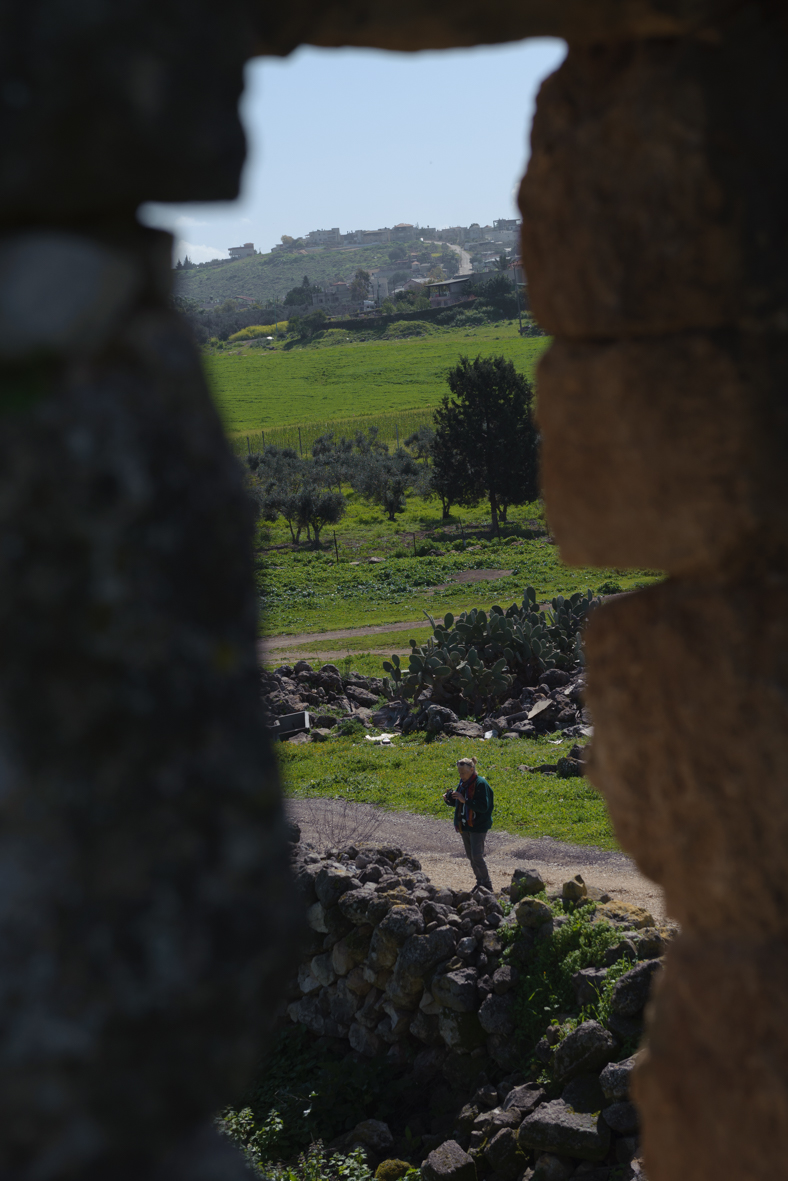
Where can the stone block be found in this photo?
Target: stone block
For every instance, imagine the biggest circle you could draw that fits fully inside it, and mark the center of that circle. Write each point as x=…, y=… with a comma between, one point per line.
x=349, y=952
x=664, y=453
x=364, y=1041
x=496, y=1015
x=448, y=1163
x=662, y=132
x=456, y=990
x=532, y=913
x=631, y=991
x=615, y=1078
x=717, y=1049
x=723, y=794
x=505, y=1156
x=555, y=1127
x=587, y=1048
x=524, y=883
x=461, y=1031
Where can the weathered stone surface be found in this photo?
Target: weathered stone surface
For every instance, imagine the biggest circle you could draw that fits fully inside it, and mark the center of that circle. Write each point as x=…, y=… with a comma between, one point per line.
x=584, y=1093
x=532, y=912
x=524, y=1098
x=587, y=1048
x=496, y=1015
x=460, y=1030
x=694, y=1081
x=615, y=1079
x=681, y=115
x=456, y=990
x=375, y=1134
x=587, y=984
x=439, y=26
x=554, y=1127
x=143, y=838
x=505, y=1156
x=659, y=396
x=726, y=641
x=424, y=1026
x=363, y=906
x=383, y=951
x=448, y=1163
x=332, y=882
x=622, y=1118
x=574, y=889
x=631, y=991
x=401, y=922
x=625, y=912
x=525, y=882
x=465, y=730
x=349, y=952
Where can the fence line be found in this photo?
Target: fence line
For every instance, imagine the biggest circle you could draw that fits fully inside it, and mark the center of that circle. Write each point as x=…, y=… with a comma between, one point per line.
x=392, y=428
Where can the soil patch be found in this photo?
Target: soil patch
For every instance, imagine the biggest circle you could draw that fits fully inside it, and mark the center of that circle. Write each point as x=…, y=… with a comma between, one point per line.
x=439, y=849
x=307, y=638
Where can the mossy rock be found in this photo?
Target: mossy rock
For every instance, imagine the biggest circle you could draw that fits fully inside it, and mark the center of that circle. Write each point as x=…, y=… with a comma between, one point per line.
x=391, y=1170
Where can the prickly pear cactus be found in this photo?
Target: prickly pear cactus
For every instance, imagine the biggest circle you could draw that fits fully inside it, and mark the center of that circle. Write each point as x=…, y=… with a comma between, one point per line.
x=477, y=657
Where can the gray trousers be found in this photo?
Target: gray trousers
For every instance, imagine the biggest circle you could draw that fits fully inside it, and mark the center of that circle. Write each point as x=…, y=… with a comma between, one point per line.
x=474, y=851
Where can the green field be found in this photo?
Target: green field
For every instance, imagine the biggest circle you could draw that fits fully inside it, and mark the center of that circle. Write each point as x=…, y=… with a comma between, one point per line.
x=412, y=774
x=255, y=390
x=304, y=590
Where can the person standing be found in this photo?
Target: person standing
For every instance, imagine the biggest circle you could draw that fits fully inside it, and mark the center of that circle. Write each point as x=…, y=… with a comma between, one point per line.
x=473, y=804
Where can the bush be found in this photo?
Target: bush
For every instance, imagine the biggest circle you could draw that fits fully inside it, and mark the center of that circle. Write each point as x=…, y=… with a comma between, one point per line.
x=610, y=588
x=475, y=658
x=545, y=986
x=255, y=330
x=408, y=328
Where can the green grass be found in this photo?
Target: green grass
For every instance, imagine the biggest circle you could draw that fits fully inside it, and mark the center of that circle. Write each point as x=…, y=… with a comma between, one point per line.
x=306, y=591
x=411, y=776
x=257, y=390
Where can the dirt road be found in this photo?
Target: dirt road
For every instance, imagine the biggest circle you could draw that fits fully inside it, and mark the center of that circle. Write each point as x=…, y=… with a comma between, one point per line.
x=438, y=848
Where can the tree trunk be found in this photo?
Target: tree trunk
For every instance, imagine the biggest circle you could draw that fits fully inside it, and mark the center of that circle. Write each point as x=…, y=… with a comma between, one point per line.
x=494, y=513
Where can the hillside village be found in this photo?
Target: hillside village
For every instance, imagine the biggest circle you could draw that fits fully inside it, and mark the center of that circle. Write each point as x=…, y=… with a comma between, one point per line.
x=402, y=258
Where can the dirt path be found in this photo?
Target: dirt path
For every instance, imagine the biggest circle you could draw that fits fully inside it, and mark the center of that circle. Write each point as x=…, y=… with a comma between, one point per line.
x=307, y=638
x=438, y=848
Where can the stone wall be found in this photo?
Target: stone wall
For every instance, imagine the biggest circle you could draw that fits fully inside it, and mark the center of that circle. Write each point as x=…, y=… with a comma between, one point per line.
x=654, y=235
x=426, y=978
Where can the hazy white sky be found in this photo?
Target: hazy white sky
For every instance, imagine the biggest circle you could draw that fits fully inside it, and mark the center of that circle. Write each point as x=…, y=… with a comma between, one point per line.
x=364, y=138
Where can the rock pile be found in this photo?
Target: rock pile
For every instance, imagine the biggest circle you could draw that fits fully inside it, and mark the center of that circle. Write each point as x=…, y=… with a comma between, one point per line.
x=555, y=703
x=396, y=967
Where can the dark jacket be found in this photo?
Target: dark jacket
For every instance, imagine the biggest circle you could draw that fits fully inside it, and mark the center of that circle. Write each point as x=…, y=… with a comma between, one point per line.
x=477, y=816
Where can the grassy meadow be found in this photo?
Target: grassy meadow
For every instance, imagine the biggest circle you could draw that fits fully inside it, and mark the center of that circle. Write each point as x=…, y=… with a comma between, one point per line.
x=373, y=572
x=378, y=580
x=411, y=774
x=257, y=389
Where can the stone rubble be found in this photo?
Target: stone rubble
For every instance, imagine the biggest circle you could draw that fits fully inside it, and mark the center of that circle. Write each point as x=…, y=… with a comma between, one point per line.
x=395, y=967
x=554, y=704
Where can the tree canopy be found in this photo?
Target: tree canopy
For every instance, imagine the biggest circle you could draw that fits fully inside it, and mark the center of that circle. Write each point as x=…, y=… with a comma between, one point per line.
x=485, y=439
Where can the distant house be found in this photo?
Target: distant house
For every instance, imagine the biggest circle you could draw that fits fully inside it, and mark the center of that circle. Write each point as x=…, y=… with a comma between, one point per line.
x=450, y=291
x=324, y=237
x=241, y=251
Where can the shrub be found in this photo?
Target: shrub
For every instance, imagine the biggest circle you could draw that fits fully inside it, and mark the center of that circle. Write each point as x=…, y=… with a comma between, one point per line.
x=255, y=330
x=545, y=986
x=475, y=657
x=610, y=588
x=408, y=328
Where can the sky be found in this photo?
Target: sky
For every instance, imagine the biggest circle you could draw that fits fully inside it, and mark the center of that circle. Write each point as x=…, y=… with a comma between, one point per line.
x=361, y=139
